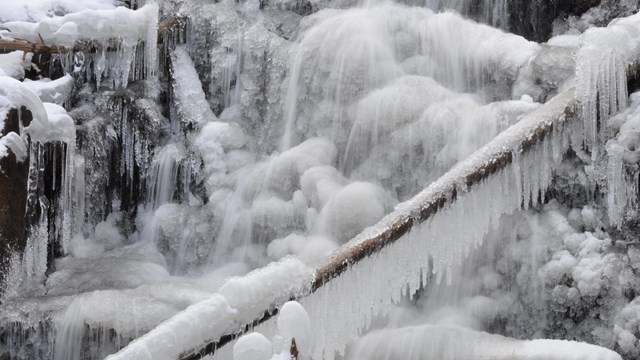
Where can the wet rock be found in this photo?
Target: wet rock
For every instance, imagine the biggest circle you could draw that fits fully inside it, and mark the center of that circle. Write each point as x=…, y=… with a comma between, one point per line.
x=14, y=176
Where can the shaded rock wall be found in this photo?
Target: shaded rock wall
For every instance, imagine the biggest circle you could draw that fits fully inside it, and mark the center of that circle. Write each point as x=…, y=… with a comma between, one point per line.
x=14, y=176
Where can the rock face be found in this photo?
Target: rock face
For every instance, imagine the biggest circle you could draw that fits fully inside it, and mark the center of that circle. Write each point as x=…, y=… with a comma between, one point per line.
x=14, y=176
x=534, y=19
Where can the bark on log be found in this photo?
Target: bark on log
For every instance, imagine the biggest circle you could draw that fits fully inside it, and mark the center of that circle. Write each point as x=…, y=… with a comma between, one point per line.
x=14, y=176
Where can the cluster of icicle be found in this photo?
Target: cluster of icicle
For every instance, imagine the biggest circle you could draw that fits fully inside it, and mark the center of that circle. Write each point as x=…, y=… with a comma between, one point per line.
x=371, y=286
x=50, y=125
x=602, y=64
x=343, y=308
x=122, y=27
x=53, y=126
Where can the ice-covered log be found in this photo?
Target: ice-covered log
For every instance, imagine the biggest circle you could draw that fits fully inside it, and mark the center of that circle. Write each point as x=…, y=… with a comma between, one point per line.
x=40, y=48
x=436, y=229
x=524, y=154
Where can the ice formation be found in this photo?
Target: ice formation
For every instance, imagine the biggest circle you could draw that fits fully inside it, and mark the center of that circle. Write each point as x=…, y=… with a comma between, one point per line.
x=621, y=152
x=289, y=128
x=440, y=342
x=126, y=27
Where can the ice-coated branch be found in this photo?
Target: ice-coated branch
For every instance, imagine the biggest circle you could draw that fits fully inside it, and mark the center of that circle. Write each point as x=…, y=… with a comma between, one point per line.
x=41, y=48
x=488, y=162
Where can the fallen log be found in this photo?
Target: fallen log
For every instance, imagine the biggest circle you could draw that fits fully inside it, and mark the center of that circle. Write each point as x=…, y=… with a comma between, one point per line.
x=40, y=48
x=552, y=115
x=486, y=163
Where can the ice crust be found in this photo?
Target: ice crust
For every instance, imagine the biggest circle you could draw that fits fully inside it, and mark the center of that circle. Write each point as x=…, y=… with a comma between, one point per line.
x=52, y=91
x=191, y=101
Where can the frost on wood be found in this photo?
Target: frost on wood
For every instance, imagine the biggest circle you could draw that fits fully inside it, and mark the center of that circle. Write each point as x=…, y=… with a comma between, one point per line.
x=127, y=27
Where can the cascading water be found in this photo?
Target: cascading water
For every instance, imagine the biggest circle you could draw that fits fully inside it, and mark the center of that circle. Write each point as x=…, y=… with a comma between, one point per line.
x=287, y=128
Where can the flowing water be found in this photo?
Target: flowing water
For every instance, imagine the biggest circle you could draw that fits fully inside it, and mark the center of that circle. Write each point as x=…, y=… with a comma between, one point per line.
x=287, y=135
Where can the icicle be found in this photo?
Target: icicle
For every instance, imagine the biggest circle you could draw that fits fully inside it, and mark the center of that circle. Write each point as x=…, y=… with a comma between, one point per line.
x=68, y=196
x=79, y=197
x=602, y=92
x=370, y=286
x=617, y=194
x=151, y=41
x=99, y=64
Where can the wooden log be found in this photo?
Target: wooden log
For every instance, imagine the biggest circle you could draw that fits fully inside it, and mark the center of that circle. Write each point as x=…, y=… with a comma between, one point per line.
x=40, y=48
x=559, y=110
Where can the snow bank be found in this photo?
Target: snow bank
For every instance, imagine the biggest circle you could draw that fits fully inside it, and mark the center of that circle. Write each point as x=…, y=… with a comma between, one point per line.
x=14, y=63
x=59, y=128
x=50, y=121
x=14, y=94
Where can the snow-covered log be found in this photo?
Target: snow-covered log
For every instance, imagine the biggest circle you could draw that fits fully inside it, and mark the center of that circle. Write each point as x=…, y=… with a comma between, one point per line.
x=524, y=154
x=430, y=233
x=40, y=48
x=444, y=221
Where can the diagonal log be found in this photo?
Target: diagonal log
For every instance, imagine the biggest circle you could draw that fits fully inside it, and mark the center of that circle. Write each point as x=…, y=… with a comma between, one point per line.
x=482, y=165
x=562, y=108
